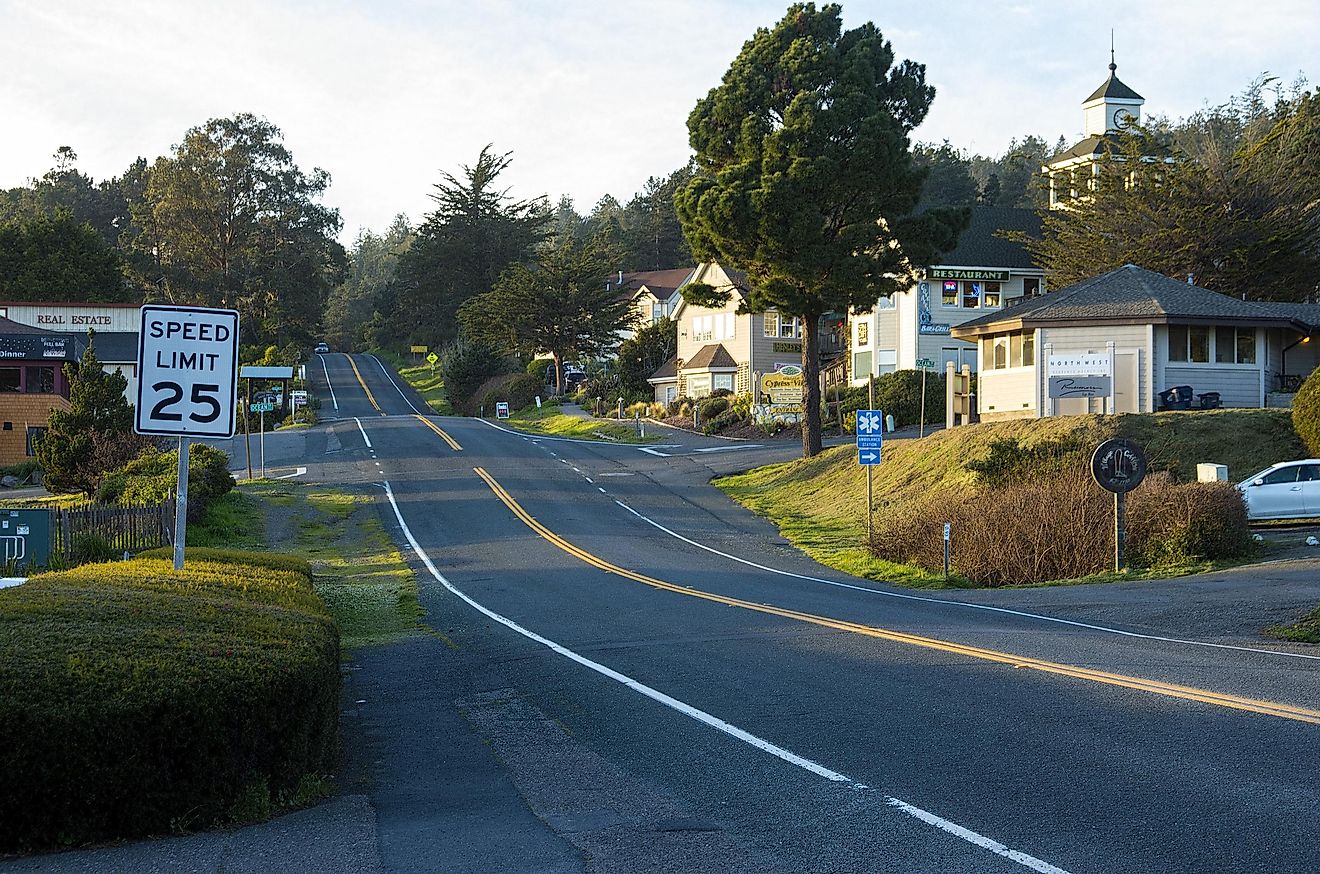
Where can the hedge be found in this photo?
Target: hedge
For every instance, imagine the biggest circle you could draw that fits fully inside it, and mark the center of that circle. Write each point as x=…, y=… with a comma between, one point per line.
x=1306, y=412
x=275, y=561
x=138, y=700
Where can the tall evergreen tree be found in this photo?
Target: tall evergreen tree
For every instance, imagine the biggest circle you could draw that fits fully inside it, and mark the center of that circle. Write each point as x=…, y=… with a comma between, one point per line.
x=804, y=177
x=476, y=231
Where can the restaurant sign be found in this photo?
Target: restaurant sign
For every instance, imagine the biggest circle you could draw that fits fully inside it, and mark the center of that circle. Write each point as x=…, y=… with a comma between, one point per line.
x=971, y=275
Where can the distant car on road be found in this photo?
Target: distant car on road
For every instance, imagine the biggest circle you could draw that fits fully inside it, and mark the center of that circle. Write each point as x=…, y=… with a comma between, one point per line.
x=1287, y=490
x=322, y=348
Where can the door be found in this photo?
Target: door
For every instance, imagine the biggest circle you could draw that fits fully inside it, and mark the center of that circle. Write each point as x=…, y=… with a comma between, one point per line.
x=1278, y=496
x=1308, y=477
x=1127, y=396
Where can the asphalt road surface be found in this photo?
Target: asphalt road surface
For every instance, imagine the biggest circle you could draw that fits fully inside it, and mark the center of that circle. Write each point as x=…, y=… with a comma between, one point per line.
x=626, y=672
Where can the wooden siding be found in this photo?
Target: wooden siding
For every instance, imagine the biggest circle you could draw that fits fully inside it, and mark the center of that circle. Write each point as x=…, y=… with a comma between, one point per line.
x=1238, y=385
x=17, y=413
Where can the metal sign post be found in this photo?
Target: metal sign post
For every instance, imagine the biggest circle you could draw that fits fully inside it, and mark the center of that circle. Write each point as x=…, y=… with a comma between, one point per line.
x=948, y=534
x=1119, y=466
x=187, y=369
x=263, y=443
x=922, y=363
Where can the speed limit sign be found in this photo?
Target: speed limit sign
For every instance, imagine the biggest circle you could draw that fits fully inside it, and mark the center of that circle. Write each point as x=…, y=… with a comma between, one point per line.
x=187, y=371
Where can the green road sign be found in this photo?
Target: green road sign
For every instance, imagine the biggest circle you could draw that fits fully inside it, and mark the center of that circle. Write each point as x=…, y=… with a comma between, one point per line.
x=264, y=407
x=24, y=539
x=925, y=362
x=432, y=358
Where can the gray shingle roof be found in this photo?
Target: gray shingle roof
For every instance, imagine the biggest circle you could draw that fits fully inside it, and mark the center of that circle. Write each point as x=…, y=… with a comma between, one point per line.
x=668, y=371
x=714, y=355
x=979, y=245
x=1132, y=294
x=1115, y=89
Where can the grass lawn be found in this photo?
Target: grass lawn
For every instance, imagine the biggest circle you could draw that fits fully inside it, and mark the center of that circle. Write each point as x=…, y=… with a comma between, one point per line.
x=819, y=503
x=364, y=581
x=550, y=421
x=424, y=379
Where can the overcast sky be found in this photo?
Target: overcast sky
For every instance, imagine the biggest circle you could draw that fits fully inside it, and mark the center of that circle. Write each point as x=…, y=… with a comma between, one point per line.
x=591, y=96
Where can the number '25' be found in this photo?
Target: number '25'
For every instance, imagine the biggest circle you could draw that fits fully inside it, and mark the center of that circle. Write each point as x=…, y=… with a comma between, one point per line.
x=203, y=394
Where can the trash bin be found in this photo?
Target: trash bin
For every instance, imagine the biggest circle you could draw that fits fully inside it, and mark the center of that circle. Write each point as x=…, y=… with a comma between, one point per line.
x=1209, y=400
x=1177, y=398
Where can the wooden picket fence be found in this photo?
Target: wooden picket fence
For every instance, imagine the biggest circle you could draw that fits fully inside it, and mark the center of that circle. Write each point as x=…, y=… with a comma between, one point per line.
x=123, y=528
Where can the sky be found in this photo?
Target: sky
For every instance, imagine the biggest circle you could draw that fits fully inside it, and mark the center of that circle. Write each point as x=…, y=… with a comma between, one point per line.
x=590, y=96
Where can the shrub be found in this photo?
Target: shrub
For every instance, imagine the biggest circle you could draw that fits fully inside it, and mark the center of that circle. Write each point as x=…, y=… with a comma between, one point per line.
x=1009, y=461
x=518, y=389
x=710, y=407
x=1306, y=413
x=152, y=476
x=1172, y=523
x=466, y=366
x=137, y=700
x=540, y=368
x=897, y=394
x=88, y=546
x=680, y=406
x=275, y=561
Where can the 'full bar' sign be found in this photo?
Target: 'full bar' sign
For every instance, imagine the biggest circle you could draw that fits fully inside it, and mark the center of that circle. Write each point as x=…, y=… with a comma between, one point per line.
x=187, y=371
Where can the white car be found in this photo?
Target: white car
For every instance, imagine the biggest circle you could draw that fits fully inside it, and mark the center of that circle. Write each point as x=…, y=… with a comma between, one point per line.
x=322, y=348
x=1288, y=490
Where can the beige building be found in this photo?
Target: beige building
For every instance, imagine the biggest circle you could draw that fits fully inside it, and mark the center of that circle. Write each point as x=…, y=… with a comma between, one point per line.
x=724, y=349
x=1134, y=341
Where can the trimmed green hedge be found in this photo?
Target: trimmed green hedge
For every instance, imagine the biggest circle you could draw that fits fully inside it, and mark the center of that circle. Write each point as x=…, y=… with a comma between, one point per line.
x=1306, y=412
x=138, y=700
x=276, y=561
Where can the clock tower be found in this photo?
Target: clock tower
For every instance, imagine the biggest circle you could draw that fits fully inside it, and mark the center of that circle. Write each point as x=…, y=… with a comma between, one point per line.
x=1113, y=106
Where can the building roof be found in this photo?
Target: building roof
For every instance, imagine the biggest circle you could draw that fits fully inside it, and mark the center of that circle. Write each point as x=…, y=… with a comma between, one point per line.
x=981, y=246
x=668, y=372
x=1114, y=90
x=712, y=357
x=9, y=326
x=1130, y=295
x=661, y=283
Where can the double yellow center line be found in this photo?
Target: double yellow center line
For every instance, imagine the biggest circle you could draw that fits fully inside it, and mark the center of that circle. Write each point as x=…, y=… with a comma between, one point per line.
x=1157, y=687
x=362, y=382
x=453, y=444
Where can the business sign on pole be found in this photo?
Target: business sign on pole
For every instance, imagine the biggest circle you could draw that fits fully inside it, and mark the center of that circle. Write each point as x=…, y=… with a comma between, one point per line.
x=924, y=363
x=501, y=409
x=187, y=371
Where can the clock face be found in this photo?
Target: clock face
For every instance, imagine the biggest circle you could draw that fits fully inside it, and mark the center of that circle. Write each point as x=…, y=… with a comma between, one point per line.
x=1122, y=118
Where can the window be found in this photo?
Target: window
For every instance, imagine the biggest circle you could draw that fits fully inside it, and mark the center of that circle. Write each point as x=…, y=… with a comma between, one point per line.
x=971, y=294
x=40, y=380
x=990, y=296
x=861, y=364
x=1282, y=476
x=1030, y=286
x=1001, y=352
x=657, y=312
x=950, y=298
x=1308, y=473
x=1029, y=349
x=1177, y=342
x=776, y=325
x=34, y=435
x=1198, y=342
x=703, y=328
x=723, y=380
x=699, y=386
x=1246, y=345
x=10, y=378
x=1235, y=345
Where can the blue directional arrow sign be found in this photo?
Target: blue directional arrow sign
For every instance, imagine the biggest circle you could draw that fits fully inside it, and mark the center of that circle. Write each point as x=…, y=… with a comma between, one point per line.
x=868, y=456
x=870, y=434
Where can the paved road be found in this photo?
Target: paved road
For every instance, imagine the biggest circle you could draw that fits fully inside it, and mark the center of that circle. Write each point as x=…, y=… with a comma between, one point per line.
x=628, y=673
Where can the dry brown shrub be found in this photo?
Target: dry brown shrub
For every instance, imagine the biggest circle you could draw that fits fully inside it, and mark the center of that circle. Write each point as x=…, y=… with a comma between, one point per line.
x=1170, y=523
x=1046, y=528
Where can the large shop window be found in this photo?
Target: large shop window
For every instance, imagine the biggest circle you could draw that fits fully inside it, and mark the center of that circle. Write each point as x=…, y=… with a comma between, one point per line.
x=41, y=380
x=11, y=379
x=972, y=295
x=34, y=435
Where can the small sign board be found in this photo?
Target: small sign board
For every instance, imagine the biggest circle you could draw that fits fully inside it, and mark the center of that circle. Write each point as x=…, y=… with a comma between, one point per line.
x=1081, y=386
x=948, y=531
x=501, y=409
x=187, y=371
x=417, y=349
x=263, y=407
x=1079, y=364
x=299, y=396
x=925, y=363
x=867, y=457
x=870, y=434
x=1118, y=465
x=933, y=328
x=432, y=359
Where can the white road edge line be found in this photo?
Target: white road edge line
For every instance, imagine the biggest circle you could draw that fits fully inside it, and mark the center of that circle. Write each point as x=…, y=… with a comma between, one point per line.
x=363, y=430
x=329, y=384
x=538, y=437
x=298, y=472
x=715, y=722
x=399, y=390
x=987, y=607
